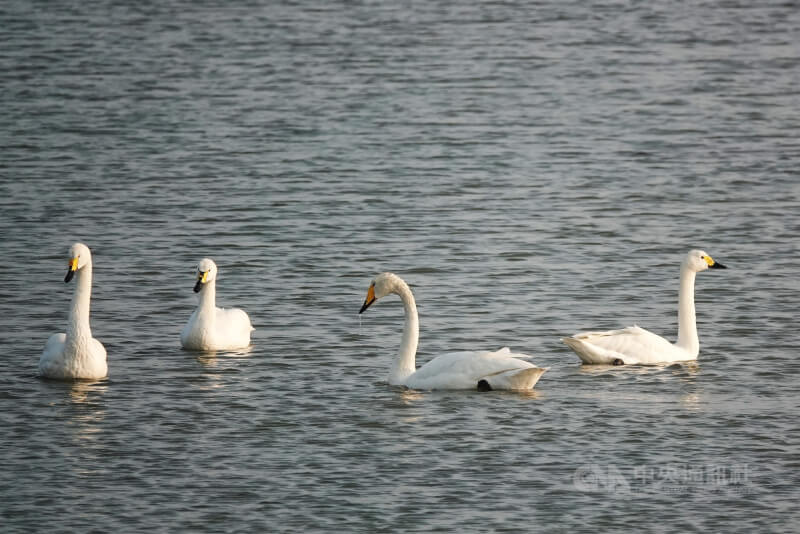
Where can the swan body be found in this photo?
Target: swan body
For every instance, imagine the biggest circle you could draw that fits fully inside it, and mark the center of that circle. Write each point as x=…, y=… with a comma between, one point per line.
x=212, y=328
x=484, y=370
x=76, y=354
x=634, y=345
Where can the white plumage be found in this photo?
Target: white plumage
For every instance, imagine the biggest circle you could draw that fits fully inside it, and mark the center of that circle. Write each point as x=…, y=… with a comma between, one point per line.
x=634, y=345
x=457, y=370
x=76, y=354
x=212, y=328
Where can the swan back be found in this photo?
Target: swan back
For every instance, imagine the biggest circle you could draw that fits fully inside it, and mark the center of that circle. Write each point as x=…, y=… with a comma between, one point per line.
x=463, y=370
x=631, y=345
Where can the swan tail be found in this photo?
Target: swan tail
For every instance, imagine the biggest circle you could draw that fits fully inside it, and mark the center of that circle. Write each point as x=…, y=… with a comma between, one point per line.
x=592, y=354
x=578, y=347
x=514, y=379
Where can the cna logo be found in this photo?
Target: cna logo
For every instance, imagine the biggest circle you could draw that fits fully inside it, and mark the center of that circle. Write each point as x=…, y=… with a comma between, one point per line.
x=607, y=479
x=666, y=478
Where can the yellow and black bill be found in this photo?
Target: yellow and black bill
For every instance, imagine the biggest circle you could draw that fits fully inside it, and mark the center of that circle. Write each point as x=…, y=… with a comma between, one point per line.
x=202, y=278
x=714, y=264
x=369, y=300
x=73, y=266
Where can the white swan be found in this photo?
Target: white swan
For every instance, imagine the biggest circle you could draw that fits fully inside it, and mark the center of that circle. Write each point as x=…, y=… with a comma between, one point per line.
x=457, y=370
x=634, y=345
x=212, y=328
x=76, y=354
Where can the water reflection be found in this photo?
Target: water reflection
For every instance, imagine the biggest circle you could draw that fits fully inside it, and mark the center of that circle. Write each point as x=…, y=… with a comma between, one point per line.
x=692, y=402
x=684, y=369
x=89, y=412
x=410, y=397
x=214, y=358
x=690, y=368
x=626, y=369
x=529, y=393
x=208, y=359
x=87, y=391
x=216, y=363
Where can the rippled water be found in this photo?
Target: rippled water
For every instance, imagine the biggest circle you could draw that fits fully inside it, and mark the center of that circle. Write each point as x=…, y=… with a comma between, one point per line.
x=531, y=171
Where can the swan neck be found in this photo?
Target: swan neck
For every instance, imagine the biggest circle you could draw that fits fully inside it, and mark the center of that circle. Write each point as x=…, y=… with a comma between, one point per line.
x=687, y=321
x=405, y=363
x=207, y=298
x=78, y=322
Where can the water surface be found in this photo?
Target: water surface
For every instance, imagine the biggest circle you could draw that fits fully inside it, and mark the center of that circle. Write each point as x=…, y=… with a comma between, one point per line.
x=530, y=170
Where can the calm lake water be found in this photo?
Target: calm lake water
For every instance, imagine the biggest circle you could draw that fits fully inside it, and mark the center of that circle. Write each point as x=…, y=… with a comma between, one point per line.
x=532, y=170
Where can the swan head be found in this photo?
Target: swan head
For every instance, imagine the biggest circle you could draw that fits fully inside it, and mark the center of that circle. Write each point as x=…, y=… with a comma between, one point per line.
x=381, y=285
x=698, y=260
x=206, y=272
x=79, y=257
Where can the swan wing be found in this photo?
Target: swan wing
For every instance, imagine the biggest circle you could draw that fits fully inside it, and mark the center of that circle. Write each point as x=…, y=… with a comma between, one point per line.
x=51, y=357
x=632, y=345
x=54, y=346
x=234, y=319
x=233, y=327
x=505, y=352
x=188, y=328
x=96, y=365
x=97, y=350
x=463, y=370
x=516, y=379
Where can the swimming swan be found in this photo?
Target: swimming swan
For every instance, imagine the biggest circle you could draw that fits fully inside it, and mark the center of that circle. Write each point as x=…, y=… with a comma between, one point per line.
x=209, y=327
x=457, y=370
x=76, y=354
x=634, y=345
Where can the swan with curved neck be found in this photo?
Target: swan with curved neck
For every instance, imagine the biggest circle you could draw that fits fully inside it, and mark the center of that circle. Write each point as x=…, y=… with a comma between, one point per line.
x=76, y=354
x=209, y=327
x=634, y=345
x=457, y=370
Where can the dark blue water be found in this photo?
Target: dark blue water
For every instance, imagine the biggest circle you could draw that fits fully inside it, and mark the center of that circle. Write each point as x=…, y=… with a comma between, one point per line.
x=531, y=170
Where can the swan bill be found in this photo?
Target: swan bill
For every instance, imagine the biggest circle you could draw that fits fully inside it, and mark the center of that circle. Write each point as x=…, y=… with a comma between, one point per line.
x=713, y=264
x=73, y=266
x=369, y=300
x=201, y=279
